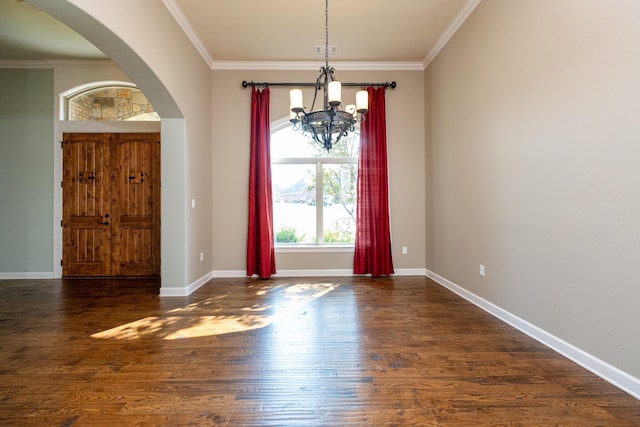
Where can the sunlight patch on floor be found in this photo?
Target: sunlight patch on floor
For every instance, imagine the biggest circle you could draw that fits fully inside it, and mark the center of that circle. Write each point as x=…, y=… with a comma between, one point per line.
x=182, y=323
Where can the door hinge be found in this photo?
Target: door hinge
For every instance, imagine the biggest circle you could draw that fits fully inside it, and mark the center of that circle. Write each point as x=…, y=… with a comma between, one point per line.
x=61, y=184
x=60, y=263
x=61, y=223
x=61, y=144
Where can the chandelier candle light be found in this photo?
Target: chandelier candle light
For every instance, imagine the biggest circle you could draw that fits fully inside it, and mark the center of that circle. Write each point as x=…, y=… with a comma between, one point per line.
x=328, y=125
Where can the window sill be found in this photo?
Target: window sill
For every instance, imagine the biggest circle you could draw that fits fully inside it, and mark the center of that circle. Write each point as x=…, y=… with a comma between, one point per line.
x=313, y=248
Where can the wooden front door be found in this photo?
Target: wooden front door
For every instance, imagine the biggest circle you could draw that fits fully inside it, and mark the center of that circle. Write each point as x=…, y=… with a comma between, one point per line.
x=111, y=205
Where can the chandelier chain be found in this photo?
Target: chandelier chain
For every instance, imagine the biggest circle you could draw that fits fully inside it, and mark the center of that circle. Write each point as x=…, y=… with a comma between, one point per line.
x=326, y=34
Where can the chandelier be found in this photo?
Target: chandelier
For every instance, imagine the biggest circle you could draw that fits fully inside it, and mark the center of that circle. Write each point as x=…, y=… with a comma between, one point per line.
x=328, y=125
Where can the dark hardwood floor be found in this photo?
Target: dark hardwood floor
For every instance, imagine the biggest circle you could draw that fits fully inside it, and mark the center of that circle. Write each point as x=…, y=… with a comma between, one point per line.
x=303, y=352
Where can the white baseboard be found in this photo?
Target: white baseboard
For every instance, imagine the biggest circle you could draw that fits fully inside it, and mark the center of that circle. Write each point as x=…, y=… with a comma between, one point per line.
x=175, y=291
x=28, y=275
x=604, y=370
x=410, y=272
x=317, y=273
x=229, y=273
x=314, y=273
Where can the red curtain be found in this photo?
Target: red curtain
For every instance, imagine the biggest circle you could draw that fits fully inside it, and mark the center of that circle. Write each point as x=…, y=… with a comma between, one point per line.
x=373, y=238
x=260, y=244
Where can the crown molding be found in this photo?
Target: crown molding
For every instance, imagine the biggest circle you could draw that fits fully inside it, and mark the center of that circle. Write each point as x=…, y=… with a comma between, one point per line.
x=182, y=21
x=98, y=63
x=313, y=65
x=25, y=64
x=454, y=25
x=58, y=63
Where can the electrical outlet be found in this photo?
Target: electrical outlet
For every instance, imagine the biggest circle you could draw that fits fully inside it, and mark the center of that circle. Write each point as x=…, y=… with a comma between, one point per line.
x=404, y=250
x=201, y=256
x=482, y=270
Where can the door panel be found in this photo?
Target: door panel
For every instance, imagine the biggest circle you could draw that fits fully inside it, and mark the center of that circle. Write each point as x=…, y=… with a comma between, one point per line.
x=86, y=196
x=136, y=238
x=111, y=205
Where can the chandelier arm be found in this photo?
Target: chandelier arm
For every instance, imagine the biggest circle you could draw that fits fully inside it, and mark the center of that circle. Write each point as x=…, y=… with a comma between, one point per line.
x=327, y=142
x=315, y=93
x=324, y=72
x=316, y=137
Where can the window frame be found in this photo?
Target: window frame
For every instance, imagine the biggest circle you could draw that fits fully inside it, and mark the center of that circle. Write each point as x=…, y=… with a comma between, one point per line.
x=320, y=245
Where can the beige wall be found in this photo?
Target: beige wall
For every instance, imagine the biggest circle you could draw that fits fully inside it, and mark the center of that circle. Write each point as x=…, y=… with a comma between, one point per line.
x=231, y=105
x=534, y=136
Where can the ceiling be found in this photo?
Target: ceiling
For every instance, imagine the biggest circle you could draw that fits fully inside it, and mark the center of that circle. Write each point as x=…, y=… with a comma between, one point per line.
x=238, y=31
x=26, y=33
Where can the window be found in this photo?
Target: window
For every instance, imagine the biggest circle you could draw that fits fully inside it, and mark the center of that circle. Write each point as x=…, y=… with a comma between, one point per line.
x=314, y=192
x=110, y=103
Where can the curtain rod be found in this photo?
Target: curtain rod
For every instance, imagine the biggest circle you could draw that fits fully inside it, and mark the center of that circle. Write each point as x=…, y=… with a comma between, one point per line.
x=246, y=84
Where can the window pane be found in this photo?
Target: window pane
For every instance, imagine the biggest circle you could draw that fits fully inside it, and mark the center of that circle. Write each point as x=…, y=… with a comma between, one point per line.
x=294, y=210
x=339, y=203
x=287, y=143
x=348, y=146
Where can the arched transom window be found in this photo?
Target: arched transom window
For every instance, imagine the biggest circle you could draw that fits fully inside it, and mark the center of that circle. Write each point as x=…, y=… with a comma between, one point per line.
x=109, y=103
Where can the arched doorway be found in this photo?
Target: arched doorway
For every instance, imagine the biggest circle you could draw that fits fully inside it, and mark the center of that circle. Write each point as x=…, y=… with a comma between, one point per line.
x=173, y=267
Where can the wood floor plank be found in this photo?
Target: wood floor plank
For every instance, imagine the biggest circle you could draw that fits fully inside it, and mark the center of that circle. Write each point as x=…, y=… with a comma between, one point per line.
x=281, y=352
